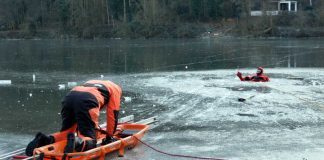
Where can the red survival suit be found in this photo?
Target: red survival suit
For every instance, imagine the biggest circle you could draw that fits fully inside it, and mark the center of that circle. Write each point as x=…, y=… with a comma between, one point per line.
x=258, y=77
x=80, y=111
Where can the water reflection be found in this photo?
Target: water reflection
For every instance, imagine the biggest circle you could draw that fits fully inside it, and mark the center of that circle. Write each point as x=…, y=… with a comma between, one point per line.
x=156, y=55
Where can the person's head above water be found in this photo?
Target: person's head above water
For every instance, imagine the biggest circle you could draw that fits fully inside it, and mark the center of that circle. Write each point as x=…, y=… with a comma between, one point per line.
x=259, y=70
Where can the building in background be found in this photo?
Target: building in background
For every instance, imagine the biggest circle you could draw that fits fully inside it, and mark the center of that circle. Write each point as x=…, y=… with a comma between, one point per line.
x=273, y=8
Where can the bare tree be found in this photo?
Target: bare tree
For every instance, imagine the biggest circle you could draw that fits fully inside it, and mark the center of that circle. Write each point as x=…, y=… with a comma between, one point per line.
x=125, y=19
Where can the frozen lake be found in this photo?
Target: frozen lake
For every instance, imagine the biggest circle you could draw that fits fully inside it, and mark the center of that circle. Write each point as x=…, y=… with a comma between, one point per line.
x=194, y=94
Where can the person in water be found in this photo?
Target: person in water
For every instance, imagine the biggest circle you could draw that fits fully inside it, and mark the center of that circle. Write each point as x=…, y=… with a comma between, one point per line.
x=258, y=77
x=80, y=114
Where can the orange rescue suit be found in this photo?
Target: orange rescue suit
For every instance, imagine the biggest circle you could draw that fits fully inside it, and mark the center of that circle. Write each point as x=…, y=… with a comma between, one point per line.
x=81, y=108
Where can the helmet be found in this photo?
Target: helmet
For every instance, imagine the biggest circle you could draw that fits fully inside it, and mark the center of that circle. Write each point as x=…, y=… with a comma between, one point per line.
x=259, y=70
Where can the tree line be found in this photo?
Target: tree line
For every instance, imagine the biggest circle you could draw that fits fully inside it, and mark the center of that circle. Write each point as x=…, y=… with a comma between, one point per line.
x=142, y=18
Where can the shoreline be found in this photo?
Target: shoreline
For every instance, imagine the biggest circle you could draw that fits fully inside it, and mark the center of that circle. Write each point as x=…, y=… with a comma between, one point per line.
x=207, y=31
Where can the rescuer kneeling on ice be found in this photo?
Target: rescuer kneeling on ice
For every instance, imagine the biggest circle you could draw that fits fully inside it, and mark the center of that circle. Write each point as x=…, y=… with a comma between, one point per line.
x=80, y=114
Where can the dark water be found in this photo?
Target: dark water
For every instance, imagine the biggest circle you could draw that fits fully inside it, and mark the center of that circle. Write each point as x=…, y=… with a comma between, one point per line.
x=129, y=56
x=145, y=70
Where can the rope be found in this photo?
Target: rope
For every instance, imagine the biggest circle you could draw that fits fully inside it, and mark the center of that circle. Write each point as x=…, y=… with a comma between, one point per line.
x=281, y=60
x=203, y=62
x=284, y=59
x=176, y=155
